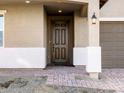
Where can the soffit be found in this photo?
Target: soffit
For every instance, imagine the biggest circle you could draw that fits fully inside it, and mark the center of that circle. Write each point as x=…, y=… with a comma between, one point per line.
x=41, y=1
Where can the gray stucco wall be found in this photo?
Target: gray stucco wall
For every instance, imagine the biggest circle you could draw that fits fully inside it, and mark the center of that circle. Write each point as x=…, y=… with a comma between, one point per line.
x=113, y=8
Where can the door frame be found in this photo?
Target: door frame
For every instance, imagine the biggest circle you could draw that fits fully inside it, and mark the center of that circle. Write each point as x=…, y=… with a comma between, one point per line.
x=70, y=38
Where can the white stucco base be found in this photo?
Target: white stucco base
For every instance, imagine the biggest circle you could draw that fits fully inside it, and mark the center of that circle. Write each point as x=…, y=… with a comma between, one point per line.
x=22, y=57
x=79, y=56
x=94, y=59
x=36, y=58
x=89, y=56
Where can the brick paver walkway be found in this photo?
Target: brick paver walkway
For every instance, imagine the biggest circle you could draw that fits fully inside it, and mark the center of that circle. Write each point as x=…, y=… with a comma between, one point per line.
x=111, y=79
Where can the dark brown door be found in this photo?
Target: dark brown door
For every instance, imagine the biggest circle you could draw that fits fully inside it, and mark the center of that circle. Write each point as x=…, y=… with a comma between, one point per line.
x=59, y=42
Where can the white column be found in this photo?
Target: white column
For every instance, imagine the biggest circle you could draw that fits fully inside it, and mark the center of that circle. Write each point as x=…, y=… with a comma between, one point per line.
x=93, y=66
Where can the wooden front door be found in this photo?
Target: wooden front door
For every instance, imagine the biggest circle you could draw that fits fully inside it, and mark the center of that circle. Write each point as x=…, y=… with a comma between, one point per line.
x=59, y=42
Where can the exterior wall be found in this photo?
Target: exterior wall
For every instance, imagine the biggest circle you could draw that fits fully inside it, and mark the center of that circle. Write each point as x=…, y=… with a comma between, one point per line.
x=94, y=50
x=22, y=58
x=113, y=8
x=25, y=40
x=27, y=28
x=24, y=25
x=80, y=39
x=45, y=28
x=80, y=56
x=93, y=28
x=87, y=50
x=80, y=30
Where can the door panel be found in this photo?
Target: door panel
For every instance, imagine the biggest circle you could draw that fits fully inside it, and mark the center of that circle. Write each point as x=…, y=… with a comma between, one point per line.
x=60, y=42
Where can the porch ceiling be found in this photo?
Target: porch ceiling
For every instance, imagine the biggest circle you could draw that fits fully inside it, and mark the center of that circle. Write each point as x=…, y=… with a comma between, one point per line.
x=52, y=8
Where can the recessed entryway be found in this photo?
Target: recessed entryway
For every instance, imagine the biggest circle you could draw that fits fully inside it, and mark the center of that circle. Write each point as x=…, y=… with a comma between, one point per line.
x=60, y=32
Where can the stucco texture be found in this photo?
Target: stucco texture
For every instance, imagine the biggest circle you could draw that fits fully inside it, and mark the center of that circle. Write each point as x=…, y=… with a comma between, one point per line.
x=80, y=30
x=113, y=8
x=24, y=25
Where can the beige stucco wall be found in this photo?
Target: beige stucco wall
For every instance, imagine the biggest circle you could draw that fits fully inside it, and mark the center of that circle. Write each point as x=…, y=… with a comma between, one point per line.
x=45, y=28
x=93, y=7
x=80, y=30
x=24, y=25
x=113, y=8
